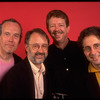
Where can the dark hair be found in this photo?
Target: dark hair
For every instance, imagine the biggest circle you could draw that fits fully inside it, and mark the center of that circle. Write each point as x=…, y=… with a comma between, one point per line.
x=11, y=20
x=93, y=30
x=58, y=14
x=39, y=31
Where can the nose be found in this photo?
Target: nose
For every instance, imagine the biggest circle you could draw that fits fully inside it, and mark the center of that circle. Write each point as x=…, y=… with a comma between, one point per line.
x=93, y=51
x=40, y=49
x=11, y=38
x=56, y=27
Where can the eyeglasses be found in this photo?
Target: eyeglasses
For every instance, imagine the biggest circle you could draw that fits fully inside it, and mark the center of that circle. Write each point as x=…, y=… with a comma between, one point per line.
x=37, y=46
x=95, y=47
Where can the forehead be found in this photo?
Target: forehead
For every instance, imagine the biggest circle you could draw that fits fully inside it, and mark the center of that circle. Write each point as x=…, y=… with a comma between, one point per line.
x=11, y=25
x=55, y=20
x=37, y=38
x=90, y=40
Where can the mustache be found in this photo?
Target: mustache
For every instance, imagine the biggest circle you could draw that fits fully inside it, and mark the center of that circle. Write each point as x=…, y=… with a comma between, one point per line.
x=38, y=53
x=54, y=32
x=94, y=55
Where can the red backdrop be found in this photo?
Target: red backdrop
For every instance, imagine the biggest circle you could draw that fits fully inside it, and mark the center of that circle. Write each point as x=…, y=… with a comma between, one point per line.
x=33, y=14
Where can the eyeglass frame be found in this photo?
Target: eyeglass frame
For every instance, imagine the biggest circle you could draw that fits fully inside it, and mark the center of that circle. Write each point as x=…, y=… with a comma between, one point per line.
x=36, y=46
x=88, y=48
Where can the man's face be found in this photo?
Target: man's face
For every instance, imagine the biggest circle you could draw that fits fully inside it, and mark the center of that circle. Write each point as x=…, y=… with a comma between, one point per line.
x=10, y=37
x=58, y=29
x=91, y=47
x=37, y=49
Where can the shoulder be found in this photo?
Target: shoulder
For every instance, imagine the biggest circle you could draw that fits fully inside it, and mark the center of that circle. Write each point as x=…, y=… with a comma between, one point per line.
x=19, y=68
x=22, y=63
x=73, y=45
x=52, y=48
x=16, y=58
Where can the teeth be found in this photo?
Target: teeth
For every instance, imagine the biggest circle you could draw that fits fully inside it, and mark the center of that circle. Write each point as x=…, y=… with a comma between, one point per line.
x=57, y=34
x=95, y=58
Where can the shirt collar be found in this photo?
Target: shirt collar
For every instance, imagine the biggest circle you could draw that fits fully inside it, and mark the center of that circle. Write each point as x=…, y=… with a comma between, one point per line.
x=35, y=69
x=92, y=69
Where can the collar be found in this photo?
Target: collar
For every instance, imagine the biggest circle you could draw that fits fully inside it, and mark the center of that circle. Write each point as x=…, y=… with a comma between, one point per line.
x=92, y=69
x=35, y=69
x=54, y=46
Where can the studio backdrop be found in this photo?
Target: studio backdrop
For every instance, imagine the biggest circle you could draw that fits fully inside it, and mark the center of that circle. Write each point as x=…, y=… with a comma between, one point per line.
x=33, y=15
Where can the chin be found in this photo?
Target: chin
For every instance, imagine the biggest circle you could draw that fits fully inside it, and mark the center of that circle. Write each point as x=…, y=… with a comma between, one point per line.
x=10, y=52
x=39, y=62
x=96, y=62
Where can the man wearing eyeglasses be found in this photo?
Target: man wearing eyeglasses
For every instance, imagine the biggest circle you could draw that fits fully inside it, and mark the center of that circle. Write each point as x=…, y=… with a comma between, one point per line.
x=89, y=41
x=28, y=78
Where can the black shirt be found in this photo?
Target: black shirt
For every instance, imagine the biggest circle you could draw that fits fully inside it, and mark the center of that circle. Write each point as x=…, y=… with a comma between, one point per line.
x=66, y=69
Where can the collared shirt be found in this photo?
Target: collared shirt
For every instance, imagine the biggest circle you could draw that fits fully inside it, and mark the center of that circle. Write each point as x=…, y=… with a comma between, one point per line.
x=61, y=64
x=97, y=72
x=38, y=80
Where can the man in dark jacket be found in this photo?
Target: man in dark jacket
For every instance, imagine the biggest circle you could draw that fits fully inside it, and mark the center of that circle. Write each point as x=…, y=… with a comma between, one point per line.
x=89, y=41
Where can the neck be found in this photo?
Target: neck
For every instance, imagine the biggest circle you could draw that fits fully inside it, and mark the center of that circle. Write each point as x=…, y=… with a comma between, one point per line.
x=38, y=66
x=96, y=66
x=7, y=57
x=61, y=45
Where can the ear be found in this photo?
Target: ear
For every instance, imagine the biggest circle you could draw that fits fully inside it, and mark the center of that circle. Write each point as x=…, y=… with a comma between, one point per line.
x=26, y=47
x=48, y=29
x=68, y=28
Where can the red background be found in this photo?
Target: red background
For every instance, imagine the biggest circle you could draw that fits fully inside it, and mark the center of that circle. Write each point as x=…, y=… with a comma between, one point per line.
x=33, y=14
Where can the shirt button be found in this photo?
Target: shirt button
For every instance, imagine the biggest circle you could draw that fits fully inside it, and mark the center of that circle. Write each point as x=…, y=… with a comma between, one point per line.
x=64, y=58
x=67, y=69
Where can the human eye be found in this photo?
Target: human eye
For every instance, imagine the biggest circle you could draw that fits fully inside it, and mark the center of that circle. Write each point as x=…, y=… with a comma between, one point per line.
x=61, y=25
x=52, y=25
x=87, y=49
x=6, y=33
x=97, y=45
x=45, y=47
x=35, y=46
x=16, y=35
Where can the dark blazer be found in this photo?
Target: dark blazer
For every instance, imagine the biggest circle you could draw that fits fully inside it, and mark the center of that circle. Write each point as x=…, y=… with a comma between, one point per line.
x=16, y=58
x=92, y=85
x=19, y=82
